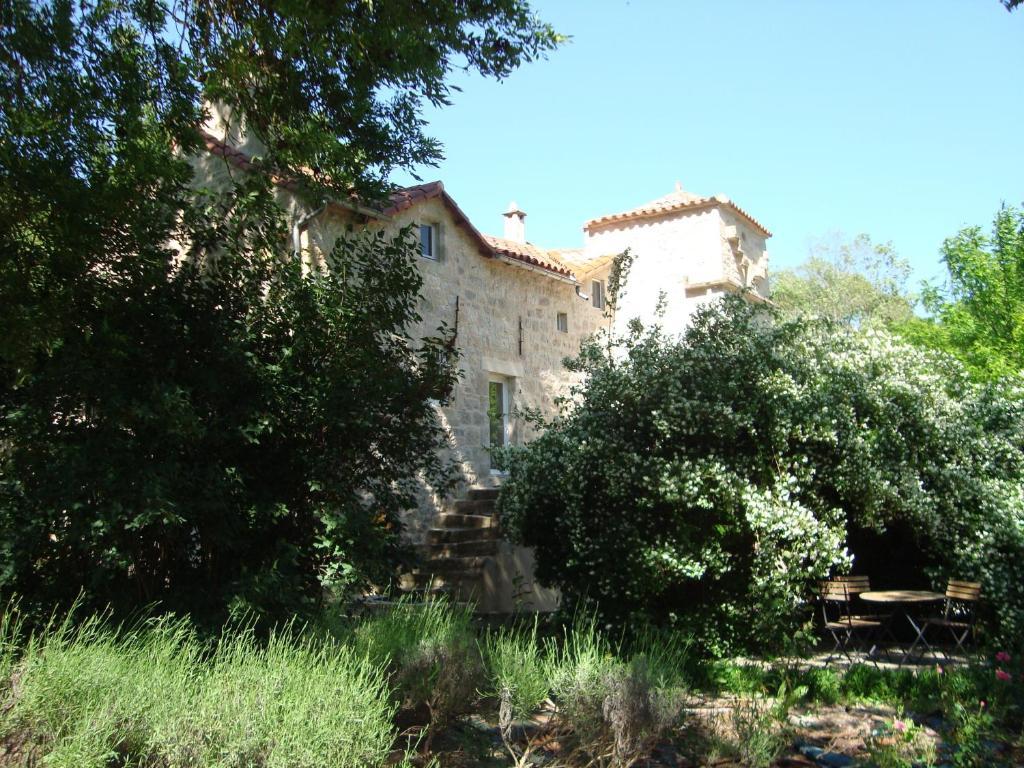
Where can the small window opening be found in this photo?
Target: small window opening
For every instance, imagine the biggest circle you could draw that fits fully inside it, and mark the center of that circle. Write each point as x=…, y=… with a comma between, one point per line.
x=428, y=241
x=562, y=322
x=597, y=293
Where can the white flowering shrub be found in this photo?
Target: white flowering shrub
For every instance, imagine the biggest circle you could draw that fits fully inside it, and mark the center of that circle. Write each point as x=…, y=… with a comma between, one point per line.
x=708, y=481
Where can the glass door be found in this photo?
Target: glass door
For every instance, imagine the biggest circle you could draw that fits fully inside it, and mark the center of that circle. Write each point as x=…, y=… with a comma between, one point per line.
x=497, y=418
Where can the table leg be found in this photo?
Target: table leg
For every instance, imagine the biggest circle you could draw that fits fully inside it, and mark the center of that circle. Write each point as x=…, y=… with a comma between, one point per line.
x=919, y=638
x=885, y=632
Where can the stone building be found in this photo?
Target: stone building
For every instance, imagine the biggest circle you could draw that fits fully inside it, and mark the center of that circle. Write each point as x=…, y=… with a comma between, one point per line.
x=519, y=310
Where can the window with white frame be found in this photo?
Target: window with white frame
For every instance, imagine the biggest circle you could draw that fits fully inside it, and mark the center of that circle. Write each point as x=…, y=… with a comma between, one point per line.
x=597, y=293
x=430, y=243
x=562, y=322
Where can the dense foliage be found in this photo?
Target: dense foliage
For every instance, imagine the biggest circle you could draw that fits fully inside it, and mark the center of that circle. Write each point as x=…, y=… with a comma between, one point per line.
x=856, y=282
x=978, y=316
x=199, y=424
x=707, y=481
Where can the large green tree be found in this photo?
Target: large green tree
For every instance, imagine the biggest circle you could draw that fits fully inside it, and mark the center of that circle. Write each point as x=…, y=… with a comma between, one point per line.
x=978, y=315
x=855, y=282
x=202, y=425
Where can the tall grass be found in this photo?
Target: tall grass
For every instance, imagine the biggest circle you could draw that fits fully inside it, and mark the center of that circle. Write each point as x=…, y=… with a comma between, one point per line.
x=617, y=704
x=517, y=670
x=517, y=674
x=85, y=694
x=88, y=696
x=431, y=654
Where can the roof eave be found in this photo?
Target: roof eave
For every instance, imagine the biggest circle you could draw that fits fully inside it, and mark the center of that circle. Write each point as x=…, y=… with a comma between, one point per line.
x=620, y=218
x=521, y=264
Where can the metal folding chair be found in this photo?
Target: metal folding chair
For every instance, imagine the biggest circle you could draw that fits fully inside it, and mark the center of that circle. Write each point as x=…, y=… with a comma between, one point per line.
x=840, y=620
x=957, y=618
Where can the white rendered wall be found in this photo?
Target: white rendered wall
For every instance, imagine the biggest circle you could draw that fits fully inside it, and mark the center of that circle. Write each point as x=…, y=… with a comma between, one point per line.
x=669, y=253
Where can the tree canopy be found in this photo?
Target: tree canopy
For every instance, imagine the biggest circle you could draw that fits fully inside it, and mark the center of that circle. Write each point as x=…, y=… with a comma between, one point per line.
x=978, y=315
x=855, y=282
x=185, y=417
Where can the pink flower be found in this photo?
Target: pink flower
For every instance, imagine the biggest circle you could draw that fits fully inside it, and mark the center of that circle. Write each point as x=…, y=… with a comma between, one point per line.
x=1003, y=675
x=899, y=725
x=938, y=669
x=1002, y=657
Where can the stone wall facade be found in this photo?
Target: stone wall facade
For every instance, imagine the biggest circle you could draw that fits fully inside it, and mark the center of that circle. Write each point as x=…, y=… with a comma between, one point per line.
x=519, y=311
x=507, y=331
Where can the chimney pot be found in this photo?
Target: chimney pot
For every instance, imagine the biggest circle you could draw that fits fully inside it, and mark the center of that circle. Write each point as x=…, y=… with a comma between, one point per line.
x=515, y=223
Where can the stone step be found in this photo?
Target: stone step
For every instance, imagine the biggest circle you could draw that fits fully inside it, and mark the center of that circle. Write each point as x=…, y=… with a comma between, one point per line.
x=457, y=520
x=461, y=549
x=452, y=565
x=407, y=585
x=454, y=585
x=482, y=494
x=474, y=506
x=453, y=535
x=408, y=594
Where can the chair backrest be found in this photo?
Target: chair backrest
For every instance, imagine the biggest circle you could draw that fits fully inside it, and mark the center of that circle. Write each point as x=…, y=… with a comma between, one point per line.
x=963, y=590
x=854, y=584
x=836, y=593
x=961, y=597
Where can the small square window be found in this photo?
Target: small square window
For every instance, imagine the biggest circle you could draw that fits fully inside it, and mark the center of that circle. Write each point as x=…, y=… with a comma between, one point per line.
x=428, y=241
x=562, y=322
x=597, y=293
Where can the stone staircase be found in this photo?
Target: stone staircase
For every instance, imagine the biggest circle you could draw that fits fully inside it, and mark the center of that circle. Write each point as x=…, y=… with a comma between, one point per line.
x=458, y=549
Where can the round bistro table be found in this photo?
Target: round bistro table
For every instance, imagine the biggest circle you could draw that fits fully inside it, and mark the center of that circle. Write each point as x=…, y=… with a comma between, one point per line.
x=902, y=602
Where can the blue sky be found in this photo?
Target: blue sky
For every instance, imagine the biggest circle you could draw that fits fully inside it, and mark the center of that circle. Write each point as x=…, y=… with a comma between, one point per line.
x=897, y=118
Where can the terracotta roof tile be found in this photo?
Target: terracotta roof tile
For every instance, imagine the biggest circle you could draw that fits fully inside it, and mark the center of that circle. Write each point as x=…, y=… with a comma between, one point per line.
x=404, y=198
x=675, y=201
x=529, y=254
x=578, y=260
x=242, y=161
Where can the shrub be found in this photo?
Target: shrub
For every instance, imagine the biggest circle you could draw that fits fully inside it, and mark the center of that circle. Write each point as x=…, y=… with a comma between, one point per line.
x=667, y=655
x=823, y=685
x=88, y=697
x=900, y=744
x=612, y=706
x=517, y=674
x=757, y=731
x=430, y=650
x=580, y=665
x=637, y=711
x=708, y=481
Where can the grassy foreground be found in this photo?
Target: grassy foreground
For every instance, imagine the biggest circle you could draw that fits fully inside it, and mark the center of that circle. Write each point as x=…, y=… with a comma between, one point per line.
x=403, y=687
x=86, y=696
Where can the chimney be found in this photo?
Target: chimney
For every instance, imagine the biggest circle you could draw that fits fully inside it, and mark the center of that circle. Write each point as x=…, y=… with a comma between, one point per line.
x=515, y=223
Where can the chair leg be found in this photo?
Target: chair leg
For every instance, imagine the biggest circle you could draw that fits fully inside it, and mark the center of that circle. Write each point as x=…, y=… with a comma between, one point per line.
x=835, y=647
x=846, y=646
x=843, y=643
x=871, y=641
x=959, y=640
